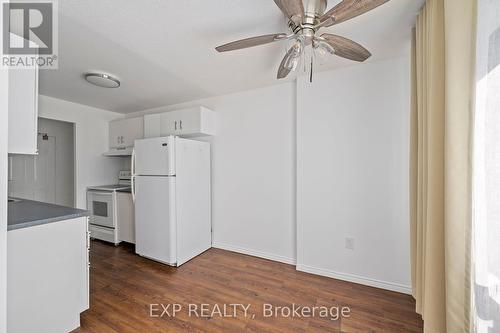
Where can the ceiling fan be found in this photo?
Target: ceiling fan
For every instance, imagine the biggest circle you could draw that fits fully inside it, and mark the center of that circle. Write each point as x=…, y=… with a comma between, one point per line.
x=305, y=19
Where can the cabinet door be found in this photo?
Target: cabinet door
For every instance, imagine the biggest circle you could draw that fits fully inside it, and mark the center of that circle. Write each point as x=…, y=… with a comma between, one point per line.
x=189, y=121
x=192, y=122
x=169, y=123
x=23, y=110
x=152, y=126
x=133, y=129
x=123, y=132
x=115, y=130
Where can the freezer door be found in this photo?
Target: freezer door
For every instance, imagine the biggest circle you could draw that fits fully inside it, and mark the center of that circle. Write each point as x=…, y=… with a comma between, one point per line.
x=154, y=157
x=155, y=219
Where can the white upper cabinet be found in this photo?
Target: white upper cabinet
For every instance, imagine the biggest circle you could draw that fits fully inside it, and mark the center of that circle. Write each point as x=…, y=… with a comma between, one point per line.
x=23, y=110
x=193, y=122
x=123, y=132
x=152, y=125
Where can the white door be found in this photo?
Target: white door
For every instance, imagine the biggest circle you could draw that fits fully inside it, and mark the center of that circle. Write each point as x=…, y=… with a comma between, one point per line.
x=155, y=218
x=45, y=170
x=154, y=157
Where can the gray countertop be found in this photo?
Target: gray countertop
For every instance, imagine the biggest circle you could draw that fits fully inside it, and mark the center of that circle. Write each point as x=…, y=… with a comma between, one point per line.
x=27, y=213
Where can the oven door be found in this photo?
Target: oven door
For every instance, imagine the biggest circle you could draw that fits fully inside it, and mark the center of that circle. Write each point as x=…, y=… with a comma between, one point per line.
x=100, y=204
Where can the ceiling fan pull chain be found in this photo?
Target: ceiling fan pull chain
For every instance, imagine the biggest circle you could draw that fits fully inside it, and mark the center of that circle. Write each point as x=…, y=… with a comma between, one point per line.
x=311, y=75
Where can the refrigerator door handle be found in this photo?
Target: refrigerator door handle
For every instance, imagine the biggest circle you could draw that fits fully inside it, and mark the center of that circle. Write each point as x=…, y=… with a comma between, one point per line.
x=132, y=183
x=132, y=179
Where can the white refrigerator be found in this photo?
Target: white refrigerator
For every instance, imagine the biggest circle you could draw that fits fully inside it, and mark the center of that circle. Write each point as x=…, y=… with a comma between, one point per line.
x=172, y=195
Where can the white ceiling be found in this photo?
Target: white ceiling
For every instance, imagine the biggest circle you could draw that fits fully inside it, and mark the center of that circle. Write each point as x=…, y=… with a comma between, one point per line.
x=163, y=50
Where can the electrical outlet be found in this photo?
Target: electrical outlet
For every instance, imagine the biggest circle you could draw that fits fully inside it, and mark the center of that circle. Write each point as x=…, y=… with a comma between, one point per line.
x=349, y=243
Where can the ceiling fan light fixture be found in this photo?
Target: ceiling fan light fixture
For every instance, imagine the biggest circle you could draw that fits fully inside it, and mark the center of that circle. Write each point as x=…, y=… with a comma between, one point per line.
x=305, y=19
x=323, y=49
x=293, y=61
x=102, y=80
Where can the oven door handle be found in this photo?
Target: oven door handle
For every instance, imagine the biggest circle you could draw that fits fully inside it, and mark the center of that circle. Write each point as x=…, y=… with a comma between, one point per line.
x=100, y=192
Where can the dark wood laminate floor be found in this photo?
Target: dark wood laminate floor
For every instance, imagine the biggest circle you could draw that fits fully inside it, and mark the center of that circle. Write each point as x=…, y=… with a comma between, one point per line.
x=124, y=285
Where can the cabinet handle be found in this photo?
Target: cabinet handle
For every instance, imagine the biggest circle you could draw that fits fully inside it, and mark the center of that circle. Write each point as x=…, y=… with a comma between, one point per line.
x=176, y=125
x=180, y=123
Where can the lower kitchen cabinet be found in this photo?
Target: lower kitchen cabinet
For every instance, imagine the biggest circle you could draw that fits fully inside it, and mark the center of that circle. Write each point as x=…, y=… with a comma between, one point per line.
x=48, y=277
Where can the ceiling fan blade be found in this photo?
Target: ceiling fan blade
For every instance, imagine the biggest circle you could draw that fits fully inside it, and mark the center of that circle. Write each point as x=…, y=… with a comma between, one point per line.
x=291, y=8
x=251, y=42
x=283, y=71
x=346, y=48
x=348, y=9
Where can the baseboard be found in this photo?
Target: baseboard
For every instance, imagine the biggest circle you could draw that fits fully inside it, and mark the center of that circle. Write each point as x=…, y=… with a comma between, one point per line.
x=356, y=279
x=317, y=271
x=255, y=253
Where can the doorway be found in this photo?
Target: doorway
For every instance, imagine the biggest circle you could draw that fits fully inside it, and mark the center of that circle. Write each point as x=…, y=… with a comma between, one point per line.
x=48, y=176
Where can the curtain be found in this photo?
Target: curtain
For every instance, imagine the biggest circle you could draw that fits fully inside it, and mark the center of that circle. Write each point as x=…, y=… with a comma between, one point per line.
x=487, y=170
x=441, y=170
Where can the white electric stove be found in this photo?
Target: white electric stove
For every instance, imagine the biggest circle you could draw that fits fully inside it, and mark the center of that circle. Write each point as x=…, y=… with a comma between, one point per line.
x=124, y=183
x=112, y=211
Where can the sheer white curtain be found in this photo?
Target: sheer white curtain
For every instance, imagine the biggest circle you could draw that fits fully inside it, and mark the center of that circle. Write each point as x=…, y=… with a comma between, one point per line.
x=486, y=211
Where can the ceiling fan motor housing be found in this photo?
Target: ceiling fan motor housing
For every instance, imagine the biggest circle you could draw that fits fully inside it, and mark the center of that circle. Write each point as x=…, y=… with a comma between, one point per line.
x=313, y=10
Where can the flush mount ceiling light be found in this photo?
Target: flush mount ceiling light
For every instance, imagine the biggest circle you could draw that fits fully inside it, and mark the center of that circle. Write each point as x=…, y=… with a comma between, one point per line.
x=102, y=80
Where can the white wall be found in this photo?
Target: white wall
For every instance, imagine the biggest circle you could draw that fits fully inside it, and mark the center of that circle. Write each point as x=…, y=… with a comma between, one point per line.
x=252, y=171
x=3, y=194
x=353, y=139
x=91, y=141
x=352, y=174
